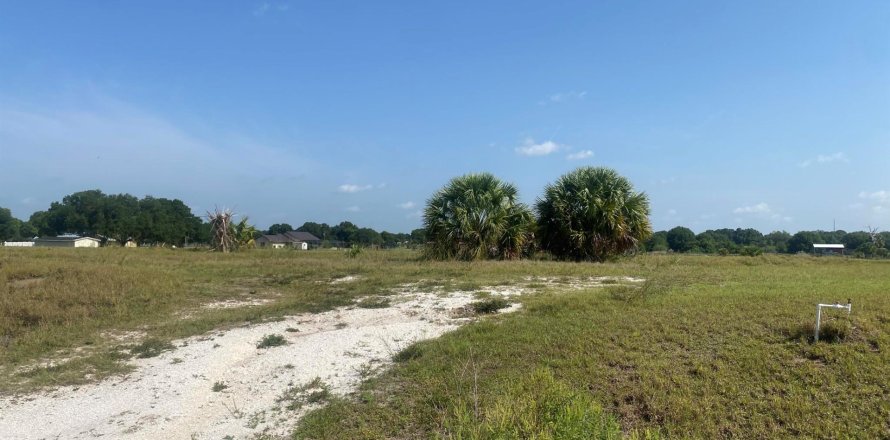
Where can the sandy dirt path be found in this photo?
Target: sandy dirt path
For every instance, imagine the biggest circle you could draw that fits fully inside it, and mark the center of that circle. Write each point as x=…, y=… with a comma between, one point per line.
x=171, y=396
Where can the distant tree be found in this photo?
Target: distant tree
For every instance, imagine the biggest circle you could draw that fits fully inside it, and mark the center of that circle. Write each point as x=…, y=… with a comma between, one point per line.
x=345, y=232
x=657, y=242
x=279, y=228
x=320, y=230
x=418, y=236
x=778, y=241
x=747, y=237
x=705, y=242
x=855, y=240
x=803, y=241
x=681, y=239
x=367, y=237
x=27, y=231
x=475, y=217
x=592, y=213
x=10, y=227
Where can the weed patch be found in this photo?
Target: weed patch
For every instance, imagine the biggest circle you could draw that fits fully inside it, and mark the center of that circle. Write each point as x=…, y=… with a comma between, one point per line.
x=151, y=348
x=374, y=303
x=489, y=306
x=273, y=340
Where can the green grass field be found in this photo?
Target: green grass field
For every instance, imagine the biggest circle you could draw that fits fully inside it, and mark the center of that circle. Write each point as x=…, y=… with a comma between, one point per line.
x=708, y=347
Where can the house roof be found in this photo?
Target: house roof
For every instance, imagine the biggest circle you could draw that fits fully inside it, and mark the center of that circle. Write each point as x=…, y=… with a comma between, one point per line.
x=66, y=238
x=291, y=237
x=828, y=246
x=278, y=238
x=302, y=236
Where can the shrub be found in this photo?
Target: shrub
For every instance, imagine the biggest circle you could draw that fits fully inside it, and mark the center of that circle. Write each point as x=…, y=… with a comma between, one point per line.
x=272, y=340
x=592, y=214
x=477, y=217
x=151, y=348
x=490, y=305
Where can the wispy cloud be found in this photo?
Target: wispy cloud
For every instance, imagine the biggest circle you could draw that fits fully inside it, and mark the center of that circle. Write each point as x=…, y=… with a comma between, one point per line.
x=350, y=188
x=760, y=208
x=531, y=148
x=352, y=209
x=879, y=200
x=407, y=205
x=415, y=214
x=825, y=158
x=764, y=211
x=557, y=98
x=266, y=7
x=880, y=196
x=586, y=154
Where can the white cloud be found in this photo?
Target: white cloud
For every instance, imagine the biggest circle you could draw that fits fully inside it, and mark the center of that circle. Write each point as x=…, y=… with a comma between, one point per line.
x=760, y=208
x=353, y=209
x=879, y=200
x=881, y=196
x=265, y=7
x=530, y=148
x=349, y=188
x=261, y=9
x=825, y=158
x=407, y=205
x=563, y=97
x=672, y=212
x=586, y=154
x=415, y=214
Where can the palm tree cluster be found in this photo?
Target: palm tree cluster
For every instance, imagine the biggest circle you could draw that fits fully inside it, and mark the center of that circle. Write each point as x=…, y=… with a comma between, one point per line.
x=475, y=217
x=592, y=214
x=588, y=214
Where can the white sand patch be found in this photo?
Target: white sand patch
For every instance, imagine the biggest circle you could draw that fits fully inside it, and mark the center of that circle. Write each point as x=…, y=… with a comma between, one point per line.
x=581, y=283
x=171, y=396
x=235, y=303
x=346, y=279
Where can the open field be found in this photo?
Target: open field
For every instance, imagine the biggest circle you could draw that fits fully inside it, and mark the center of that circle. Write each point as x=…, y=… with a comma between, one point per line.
x=706, y=347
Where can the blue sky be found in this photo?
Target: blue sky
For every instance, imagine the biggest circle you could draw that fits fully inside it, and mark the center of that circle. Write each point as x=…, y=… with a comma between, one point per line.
x=772, y=115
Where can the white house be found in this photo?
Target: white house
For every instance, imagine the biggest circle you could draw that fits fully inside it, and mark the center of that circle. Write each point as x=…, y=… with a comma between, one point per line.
x=77, y=242
x=18, y=243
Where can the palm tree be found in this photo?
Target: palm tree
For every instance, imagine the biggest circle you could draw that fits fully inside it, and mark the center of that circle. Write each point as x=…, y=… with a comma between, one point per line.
x=475, y=217
x=244, y=234
x=592, y=214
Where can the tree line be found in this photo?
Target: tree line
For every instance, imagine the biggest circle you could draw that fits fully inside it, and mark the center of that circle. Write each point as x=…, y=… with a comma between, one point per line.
x=347, y=233
x=751, y=241
x=161, y=221
x=588, y=214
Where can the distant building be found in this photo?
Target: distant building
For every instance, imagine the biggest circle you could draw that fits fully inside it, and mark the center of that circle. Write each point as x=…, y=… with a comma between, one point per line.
x=77, y=242
x=828, y=249
x=18, y=243
x=292, y=239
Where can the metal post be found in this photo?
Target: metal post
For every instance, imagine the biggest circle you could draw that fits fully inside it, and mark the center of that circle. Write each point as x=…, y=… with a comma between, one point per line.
x=849, y=308
x=818, y=319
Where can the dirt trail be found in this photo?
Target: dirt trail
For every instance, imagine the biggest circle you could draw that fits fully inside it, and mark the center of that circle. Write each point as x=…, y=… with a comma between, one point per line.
x=172, y=396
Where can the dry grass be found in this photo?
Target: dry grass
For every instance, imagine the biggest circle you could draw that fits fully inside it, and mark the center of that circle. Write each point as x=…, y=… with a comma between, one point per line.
x=58, y=307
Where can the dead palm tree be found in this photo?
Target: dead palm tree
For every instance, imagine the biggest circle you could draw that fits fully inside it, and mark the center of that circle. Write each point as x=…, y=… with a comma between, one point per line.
x=592, y=214
x=222, y=237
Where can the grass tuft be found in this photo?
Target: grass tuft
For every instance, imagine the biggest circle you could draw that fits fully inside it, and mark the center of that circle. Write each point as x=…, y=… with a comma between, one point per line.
x=273, y=340
x=489, y=305
x=151, y=348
